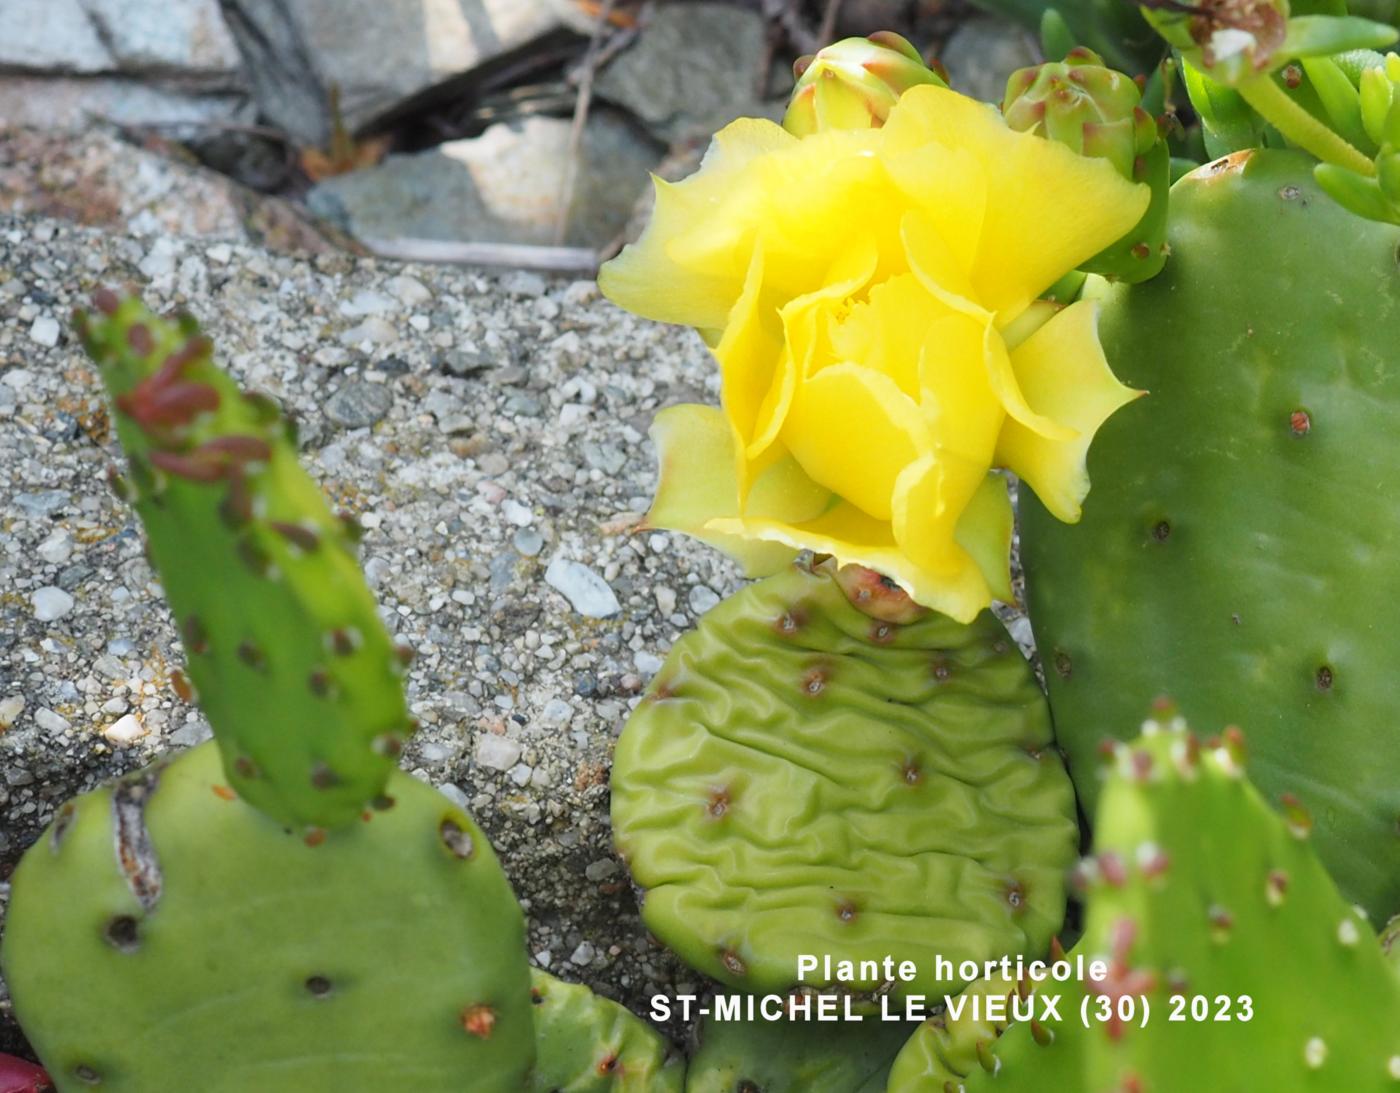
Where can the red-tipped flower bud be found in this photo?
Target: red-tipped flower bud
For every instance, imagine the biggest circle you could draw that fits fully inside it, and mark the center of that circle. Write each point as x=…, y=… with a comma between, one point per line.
x=855, y=83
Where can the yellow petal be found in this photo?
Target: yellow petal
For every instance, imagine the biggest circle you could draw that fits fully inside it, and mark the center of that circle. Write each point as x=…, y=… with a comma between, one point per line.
x=887, y=330
x=853, y=430
x=647, y=279
x=956, y=395
x=853, y=537
x=694, y=447
x=803, y=328
x=750, y=354
x=929, y=500
x=985, y=532
x=1061, y=368
x=1007, y=386
x=933, y=261
x=1047, y=208
x=799, y=197
x=945, y=187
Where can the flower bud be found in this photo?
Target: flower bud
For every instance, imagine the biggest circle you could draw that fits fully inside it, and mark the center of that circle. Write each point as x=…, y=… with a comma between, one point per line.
x=855, y=83
x=1081, y=103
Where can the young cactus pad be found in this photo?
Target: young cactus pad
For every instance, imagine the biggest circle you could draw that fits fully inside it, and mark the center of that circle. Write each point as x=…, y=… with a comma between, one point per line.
x=802, y=779
x=588, y=1044
x=1209, y=905
x=164, y=935
x=801, y=1056
x=1237, y=550
x=959, y=1041
x=286, y=652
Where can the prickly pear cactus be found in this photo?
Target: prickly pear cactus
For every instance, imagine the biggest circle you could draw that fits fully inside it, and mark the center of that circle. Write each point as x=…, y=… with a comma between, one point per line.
x=286, y=652
x=164, y=935
x=801, y=1056
x=588, y=1044
x=1213, y=910
x=948, y=1047
x=1237, y=549
x=802, y=778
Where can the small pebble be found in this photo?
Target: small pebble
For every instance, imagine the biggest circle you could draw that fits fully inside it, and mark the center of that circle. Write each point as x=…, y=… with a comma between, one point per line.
x=497, y=752
x=57, y=548
x=125, y=730
x=51, y=722
x=50, y=603
x=583, y=588
x=45, y=331
x=516, y=513
x=701, y=598
x=528, y=542
x=358, y=404
x=10, y=709
x=584, y=954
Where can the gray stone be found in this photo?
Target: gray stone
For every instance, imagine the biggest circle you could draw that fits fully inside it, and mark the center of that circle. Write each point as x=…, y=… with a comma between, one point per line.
x=45, y=331
x=702, y=598
x=497, y=752
x=584, y=589
x=359, y=404
x=529, y=542
x=50, y=603
x=50, y=35
x=98, y=178
x=191, y=733
x=379, y=52
x=174, y=36
x=71, y=104
x=504, y=186
x=693, y=70
x=982, y=54
x=57, y=548
x=40, y=504
x=51, y=722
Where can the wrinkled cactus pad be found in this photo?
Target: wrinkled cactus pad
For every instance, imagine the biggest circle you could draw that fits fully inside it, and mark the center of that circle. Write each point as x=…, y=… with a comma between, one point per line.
x=585, y=1043
x=285, y=650
x=799, y=1056
x=1215, y=909
x=802, y=778
x=164, y=935
x=1240, y=537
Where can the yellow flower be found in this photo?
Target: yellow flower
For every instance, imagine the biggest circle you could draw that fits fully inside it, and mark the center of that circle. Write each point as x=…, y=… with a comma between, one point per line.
x=871, y=297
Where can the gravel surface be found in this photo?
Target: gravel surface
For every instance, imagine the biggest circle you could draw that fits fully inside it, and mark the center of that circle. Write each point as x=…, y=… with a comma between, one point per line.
x=489, y=431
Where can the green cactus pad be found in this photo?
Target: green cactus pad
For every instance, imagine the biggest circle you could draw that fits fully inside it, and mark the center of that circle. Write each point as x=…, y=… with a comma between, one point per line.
x=1200, y=895
x=803, y=1056
x=1237, y=547
x=164, y=935
x=289, y=660
x=804, y=779
x=955, y=1043
x=588, y=1044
